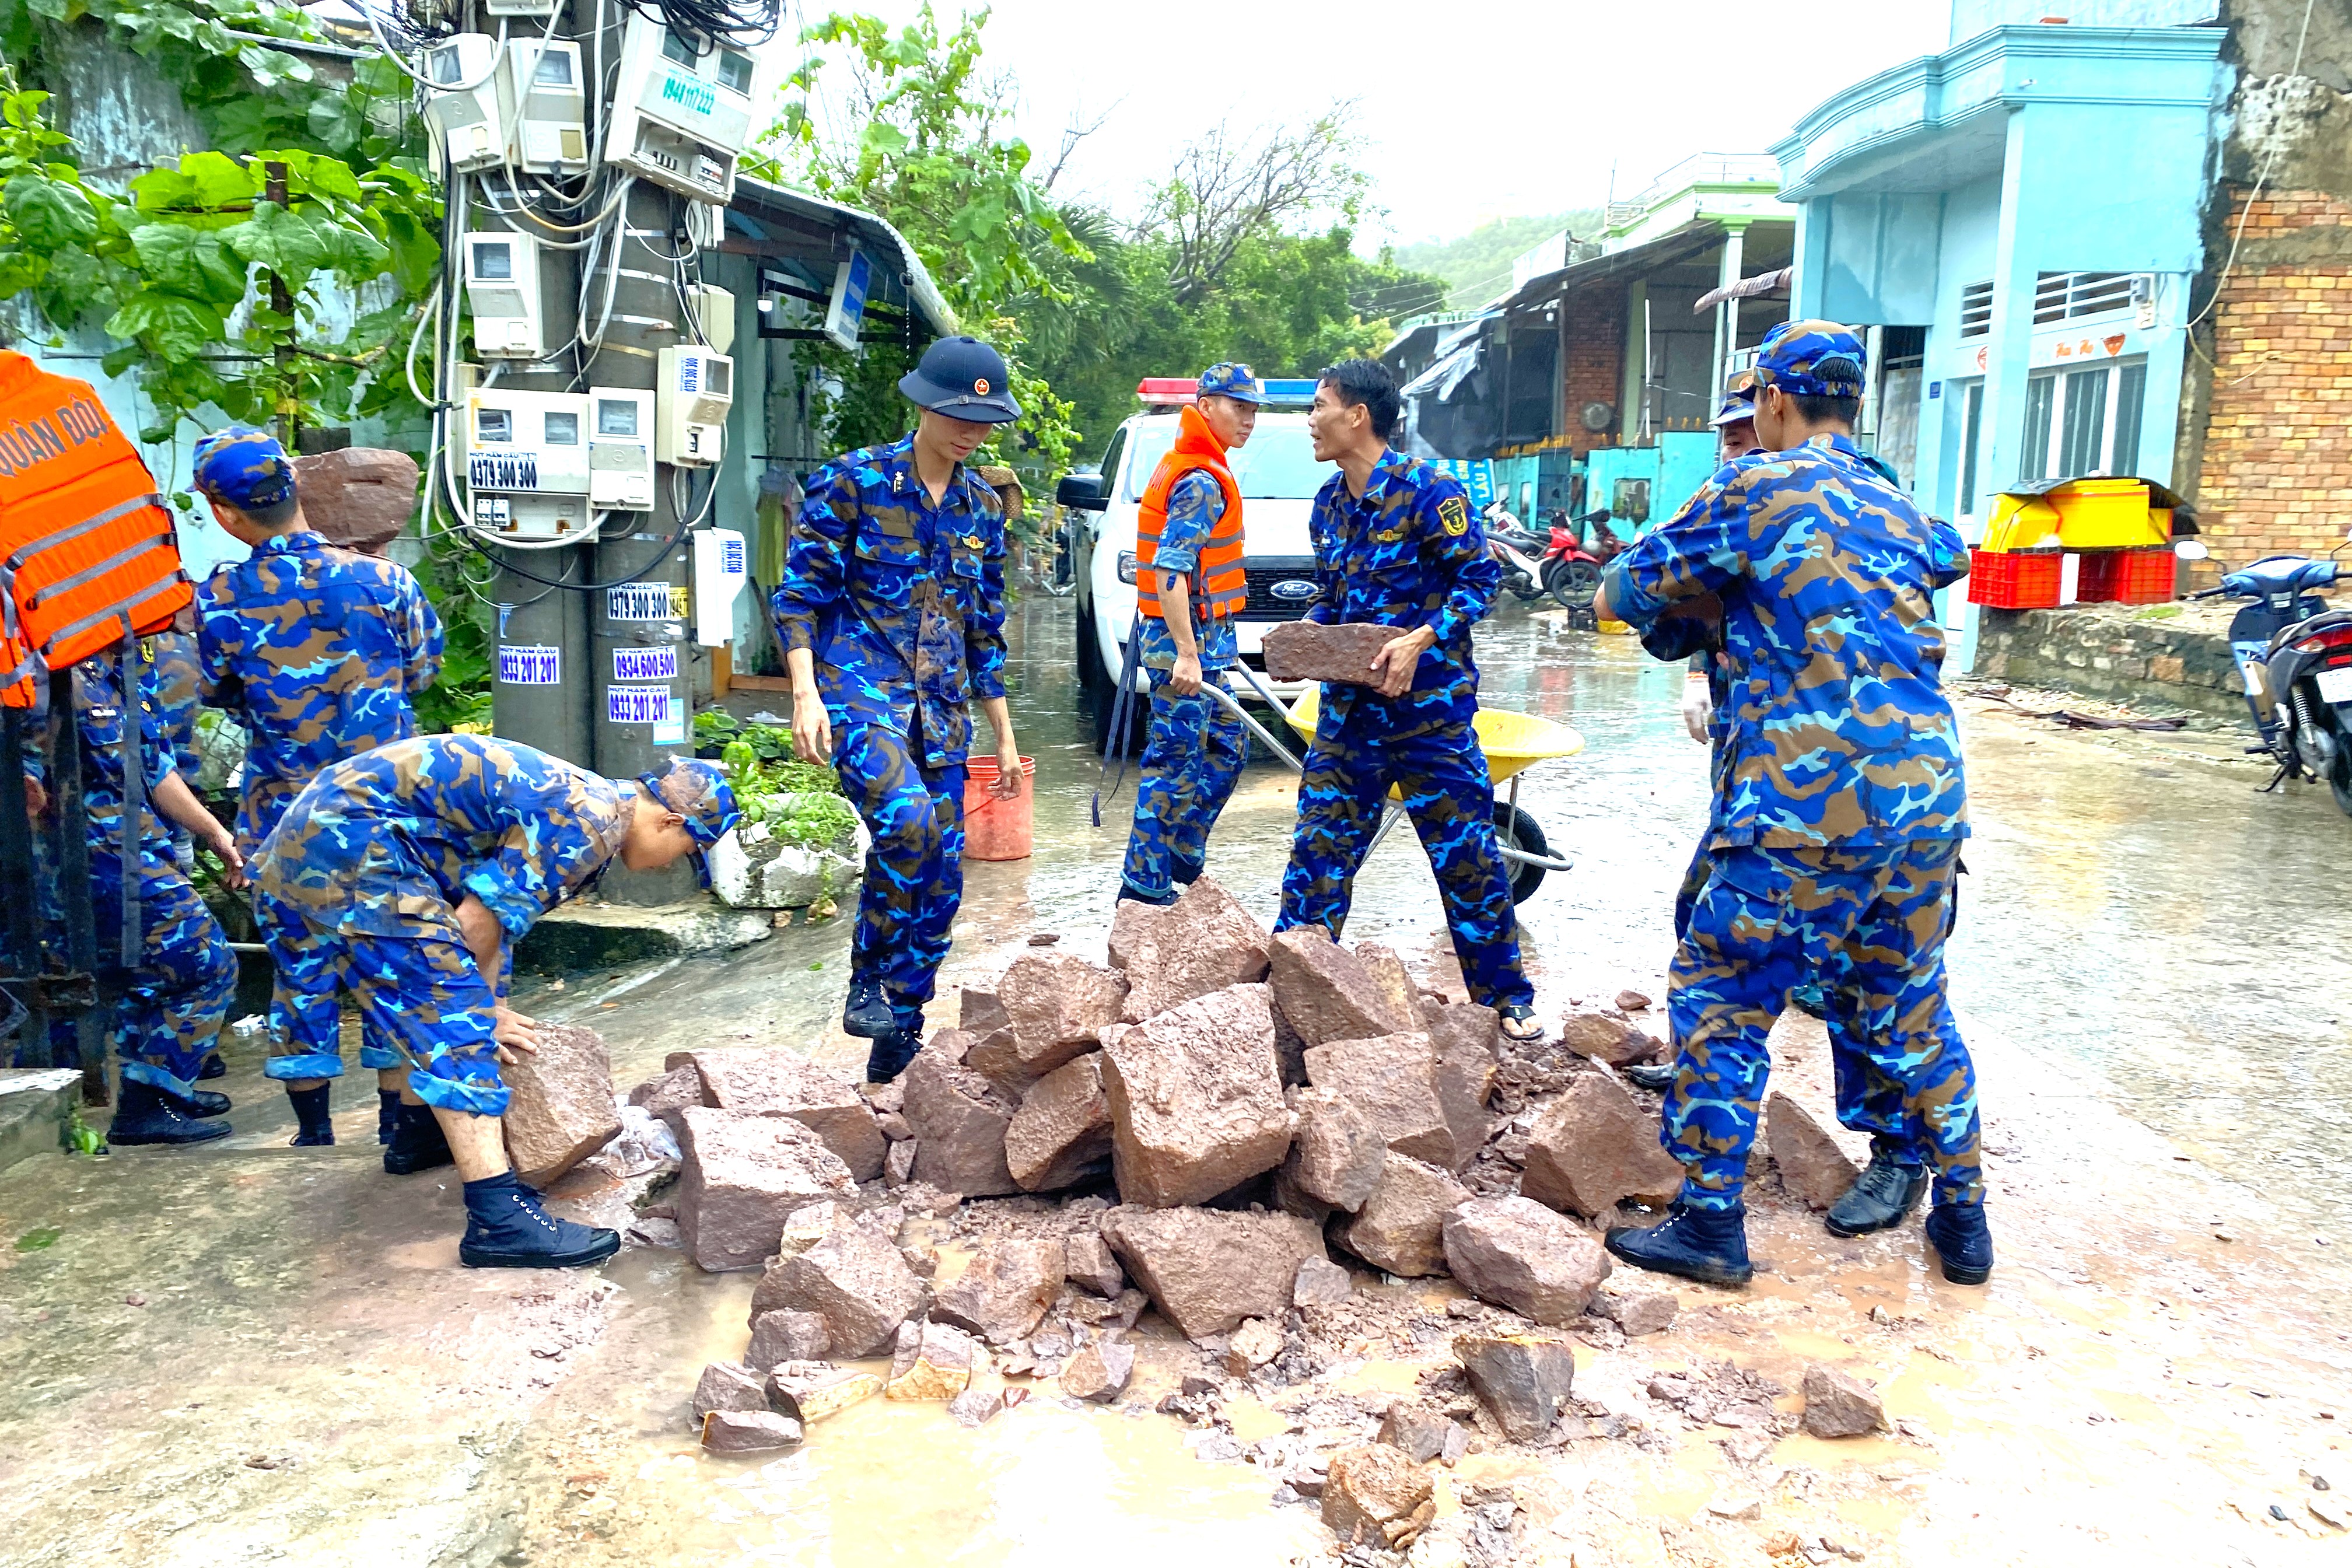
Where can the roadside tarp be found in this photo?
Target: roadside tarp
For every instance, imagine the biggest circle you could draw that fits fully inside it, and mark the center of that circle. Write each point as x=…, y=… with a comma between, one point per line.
x=1448, y=410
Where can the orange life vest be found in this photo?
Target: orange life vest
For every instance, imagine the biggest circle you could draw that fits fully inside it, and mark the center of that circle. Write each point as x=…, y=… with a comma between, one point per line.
x=1218, y=588
x=87, y=554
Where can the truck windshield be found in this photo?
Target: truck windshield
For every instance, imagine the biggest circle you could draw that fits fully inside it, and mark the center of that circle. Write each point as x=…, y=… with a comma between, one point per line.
x=1278, y=463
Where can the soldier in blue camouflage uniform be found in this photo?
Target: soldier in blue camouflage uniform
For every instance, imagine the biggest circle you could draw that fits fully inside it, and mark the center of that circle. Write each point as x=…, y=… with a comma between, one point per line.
x=316, y=650
x=179, y=690
x=1193, y=754
x=1837, y=830
x=405, y=875
x=1397, y=543
x=891, y=614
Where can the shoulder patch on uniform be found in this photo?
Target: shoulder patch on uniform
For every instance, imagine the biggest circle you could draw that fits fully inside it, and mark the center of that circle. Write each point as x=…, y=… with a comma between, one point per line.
x=1454, y=511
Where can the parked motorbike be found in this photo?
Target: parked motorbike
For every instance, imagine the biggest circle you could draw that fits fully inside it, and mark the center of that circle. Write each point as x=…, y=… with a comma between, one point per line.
x=1571, y=573
x=2295, y=655
x=1520, y=554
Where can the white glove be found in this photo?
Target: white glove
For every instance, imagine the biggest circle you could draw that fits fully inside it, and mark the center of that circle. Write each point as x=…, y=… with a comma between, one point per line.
x=1698, y=708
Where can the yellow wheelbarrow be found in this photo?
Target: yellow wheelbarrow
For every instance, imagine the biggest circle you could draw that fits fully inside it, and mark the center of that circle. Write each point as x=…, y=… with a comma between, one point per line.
x=1513, y=744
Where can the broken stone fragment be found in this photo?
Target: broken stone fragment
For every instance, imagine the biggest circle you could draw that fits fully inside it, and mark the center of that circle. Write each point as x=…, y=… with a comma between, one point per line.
x=790, y=1084
x=1305, y=650
x=1422, y=1432
x=663, y=1098
x=1632, y=1002
x=360, y=498
x=895, y=1127
x=1203, y=943
x=787, y=1335
x=855, y=1279
x=898, y=1166
x=1063, y=1128
x=1324, y=991
x=1004, y=1291
x=1523, y=1379
x=1131, y=924
x=1393, y=983
x=1196, y=1107
x=1837, y=1406
x=1402, y=1228
x=1057, y=1005
x=1518, y=1254
x=749, y=1432
x=976, y=1406
x=1636, y=1312
x=741, y=1175
x=726, y=1386
x=1209, y=1269
x=560, y=1109
x=887, y=1099
x=1322, y=1283
x=1369, y=1490
x=1604, y=1037
x=1594, y=1147
x=981, y=1012
x=1392, y=1079
x=1813, y=1168
x=931, y=1361
x=1464, y=1036
x=1087, y=1263
x=960, y=1120
x=1337, y=1154
x=1253, y=1344
x=813, y=1392
x=1099, y=1372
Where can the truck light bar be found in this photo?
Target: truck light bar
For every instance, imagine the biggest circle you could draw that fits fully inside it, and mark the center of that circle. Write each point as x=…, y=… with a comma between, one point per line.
x=1173, y=390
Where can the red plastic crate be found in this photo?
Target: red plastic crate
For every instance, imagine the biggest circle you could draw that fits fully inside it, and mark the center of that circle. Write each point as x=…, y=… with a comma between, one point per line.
x=2013, y=579
x=2126, y=576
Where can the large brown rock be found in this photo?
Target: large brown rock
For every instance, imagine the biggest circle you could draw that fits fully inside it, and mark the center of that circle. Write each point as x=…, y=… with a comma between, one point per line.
x=1323, y=991
x=1465, y=1038
x=1204, y=942
x=960, y=1120
x=1837, y=1406
x=663, y=1097
x=560, y=1106
x=1402, y=1228
x=1814, y=1169
x=1392, y=1079
x=931, y=1361
x=1594, y=1148
x=1524, y=1379
x=1195, y=1105
x=726, y=1386
x=855, y=1279
x=1209, y=1269
x=1336, y=1155
x=1518, y=1254
x=1374, y=1493
x=743, y=1175
x=1303, y=650
x=361, y=498
x=1133, y=921
x=1063, y=1128
x=750, y=1432
x=788, y=1335
x=789, y=1084
x=1605, y=1038
x=1086, y=1263
x=1004, y=1291
x=1399, y=997
x=1057, y=1005
x=1099, y=1372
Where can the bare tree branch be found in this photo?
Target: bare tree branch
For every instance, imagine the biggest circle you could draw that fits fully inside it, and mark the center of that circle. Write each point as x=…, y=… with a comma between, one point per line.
x=1223, y=190
x=1071, y=134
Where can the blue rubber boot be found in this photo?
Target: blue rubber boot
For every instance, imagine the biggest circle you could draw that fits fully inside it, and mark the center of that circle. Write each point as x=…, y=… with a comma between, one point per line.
x=506, y=1228
x=1963, y=1242
x=1709, y=1245
x=145, y=1114
x=868, y=1014
x=891, y=1054
x=314, y=1126
x=417, y=1143
x=1881, y=1197
x=387, y=1114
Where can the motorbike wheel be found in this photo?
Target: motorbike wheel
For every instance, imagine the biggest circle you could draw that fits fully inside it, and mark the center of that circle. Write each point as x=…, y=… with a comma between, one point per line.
x=1575, y=584
x=1522, y=588
x=1517, y=830
x=2339, y=780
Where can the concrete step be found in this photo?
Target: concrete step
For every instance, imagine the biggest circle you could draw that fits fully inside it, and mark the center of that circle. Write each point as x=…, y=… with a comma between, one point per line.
x=36, y=1104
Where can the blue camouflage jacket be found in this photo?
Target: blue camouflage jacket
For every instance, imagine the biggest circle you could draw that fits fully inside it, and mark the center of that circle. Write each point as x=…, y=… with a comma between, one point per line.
x=901, y=603
x=316, y=649
x=388, y=843
x=1836, y=729
x=179, y=687
x=104, y=718
x=1411, y=552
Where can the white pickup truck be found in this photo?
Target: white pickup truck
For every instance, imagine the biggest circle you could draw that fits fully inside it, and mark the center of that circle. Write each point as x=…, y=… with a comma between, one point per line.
x=1279, y=477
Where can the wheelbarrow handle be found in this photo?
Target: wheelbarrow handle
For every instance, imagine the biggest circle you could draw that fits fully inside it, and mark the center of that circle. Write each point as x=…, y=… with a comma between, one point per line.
x=1216, y=689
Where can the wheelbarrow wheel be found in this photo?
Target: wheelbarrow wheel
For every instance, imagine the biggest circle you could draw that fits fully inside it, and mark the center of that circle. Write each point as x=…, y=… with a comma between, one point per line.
x=1517, y=830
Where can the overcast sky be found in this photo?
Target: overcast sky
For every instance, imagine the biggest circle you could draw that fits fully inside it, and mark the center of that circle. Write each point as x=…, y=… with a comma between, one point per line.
x=1471, y=109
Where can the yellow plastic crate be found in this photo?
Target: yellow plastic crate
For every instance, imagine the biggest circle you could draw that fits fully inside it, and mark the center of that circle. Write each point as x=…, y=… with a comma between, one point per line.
x=2105, y=514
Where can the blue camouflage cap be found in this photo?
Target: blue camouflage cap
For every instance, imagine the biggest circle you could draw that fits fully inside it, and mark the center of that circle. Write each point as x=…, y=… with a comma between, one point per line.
x=244, y=467
x=1803, y=359
x=698, y=791
x=1237, y=381
x=1738, y=402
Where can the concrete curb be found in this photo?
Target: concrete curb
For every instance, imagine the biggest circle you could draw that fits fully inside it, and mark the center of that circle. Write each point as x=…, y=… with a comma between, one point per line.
x=35, y=1105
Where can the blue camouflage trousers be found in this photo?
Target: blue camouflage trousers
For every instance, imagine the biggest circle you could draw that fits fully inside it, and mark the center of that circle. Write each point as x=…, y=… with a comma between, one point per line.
x=913, y=872
x=421, y=1001
x=1192, y=760
x=1440, y=773
x=174, y=1002
x=1872, y=920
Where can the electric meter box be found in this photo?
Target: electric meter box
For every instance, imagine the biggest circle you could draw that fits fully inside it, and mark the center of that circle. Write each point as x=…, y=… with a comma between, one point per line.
x=680, y=115
x=462, y=109
x=714, y=312
x=695, y=387
x=502, y=287
x=620, y=449
x=544, y=106
x=527, y=462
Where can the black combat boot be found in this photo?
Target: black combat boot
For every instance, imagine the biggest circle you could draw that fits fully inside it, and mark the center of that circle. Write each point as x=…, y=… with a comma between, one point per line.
x=387, y=1114
x=1881, y=1197
x=214, y=1066
x=506, y=1228
x=315, y=1128
x=1706, y=1245
x=417, y=1143
x=891, y=1054
x=145, y=1114
x=868, y=1014
x=1963, y=1242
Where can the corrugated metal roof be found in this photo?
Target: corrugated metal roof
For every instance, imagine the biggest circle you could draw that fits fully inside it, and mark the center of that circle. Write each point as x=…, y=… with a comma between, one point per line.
x=760, y=201
x=1648, y=257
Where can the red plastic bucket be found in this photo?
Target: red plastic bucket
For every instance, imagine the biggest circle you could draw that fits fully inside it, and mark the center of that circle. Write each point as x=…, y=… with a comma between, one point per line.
x=997, y=830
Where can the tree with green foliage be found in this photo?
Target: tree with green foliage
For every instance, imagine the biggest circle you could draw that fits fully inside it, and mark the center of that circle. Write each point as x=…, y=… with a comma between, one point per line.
x=1476, y=266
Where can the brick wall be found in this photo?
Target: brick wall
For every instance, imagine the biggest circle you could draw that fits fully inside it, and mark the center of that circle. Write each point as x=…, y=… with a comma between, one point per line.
x=1591, y=347
x=2276, y=475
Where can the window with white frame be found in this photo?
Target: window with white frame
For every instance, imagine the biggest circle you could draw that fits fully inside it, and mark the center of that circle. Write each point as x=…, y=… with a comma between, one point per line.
x=2083, y=421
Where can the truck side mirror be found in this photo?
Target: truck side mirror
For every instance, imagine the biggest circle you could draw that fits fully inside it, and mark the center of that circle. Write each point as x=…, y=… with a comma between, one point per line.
x=1082, y=492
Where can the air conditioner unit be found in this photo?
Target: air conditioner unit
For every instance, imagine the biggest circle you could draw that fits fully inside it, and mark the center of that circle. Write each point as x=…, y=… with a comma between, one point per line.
x=502, y=288
x=620, y=449
x=680, y=115
x=461, y=113
x=694, y=387
x=545, y=106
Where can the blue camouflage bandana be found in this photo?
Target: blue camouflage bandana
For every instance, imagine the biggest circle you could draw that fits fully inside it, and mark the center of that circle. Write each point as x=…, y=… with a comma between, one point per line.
x=244, y=467
x=1800, y=358
x=1237, y=381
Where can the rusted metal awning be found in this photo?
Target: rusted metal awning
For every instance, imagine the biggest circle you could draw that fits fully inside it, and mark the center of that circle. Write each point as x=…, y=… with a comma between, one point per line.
x=1746, y=289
